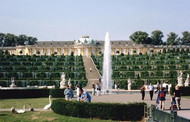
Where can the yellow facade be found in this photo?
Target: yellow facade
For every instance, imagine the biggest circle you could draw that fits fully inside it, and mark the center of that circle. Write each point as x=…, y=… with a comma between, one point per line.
x=87, y=47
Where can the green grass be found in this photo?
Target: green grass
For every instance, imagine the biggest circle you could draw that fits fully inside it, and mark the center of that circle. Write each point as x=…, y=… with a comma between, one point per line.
x=42, y=116
x=34, y=116
x=18, y=103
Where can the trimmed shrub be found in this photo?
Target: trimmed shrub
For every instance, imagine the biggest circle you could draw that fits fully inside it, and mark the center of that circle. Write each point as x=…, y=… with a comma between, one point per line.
x=113, y=111
x=184, y=90
x=23, y=93
x=57, y=92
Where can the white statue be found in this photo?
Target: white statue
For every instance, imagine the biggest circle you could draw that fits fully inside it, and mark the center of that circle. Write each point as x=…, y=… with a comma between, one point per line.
x=180, y=79
x=187, y=81
x=69, y=83
x=129, y=84
x=12, y=82
x=62, y=83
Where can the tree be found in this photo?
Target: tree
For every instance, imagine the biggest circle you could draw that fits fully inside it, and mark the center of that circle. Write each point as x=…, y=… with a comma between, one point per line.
x=173, y=39
x=185, y=40
x=32, y=40
x=2, y=38
x=22, y=39
x=156, y=37
x=139, y=37
x=10, y=40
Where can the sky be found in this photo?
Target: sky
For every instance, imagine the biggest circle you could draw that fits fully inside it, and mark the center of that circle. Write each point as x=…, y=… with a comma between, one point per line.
x=68, y=20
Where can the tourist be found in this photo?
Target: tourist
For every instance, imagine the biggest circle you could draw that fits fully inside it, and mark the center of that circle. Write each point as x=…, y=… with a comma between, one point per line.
x=143, y=91
x=84, y=96
x=68, y=92
x=158, y=97
x=77, y=90
x=162, y=98
x=177, y=93
x=151, y=91
x=98, y=89
x=93, y=88
x=115, y=86
x=90, y=69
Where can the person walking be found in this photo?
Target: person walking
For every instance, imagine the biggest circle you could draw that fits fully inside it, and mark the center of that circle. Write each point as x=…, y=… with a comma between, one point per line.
x=151, y=91
x=93, y=88
x=177, y=95
x=98, y=89
x=143, y=91
x=158, y=97
x=162, y=98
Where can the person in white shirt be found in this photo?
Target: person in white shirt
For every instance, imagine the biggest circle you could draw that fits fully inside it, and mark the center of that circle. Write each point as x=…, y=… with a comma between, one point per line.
x=151, y=91
x=77, y=90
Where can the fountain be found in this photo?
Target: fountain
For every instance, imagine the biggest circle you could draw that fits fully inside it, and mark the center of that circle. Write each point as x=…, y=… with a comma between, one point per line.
x=107, y=69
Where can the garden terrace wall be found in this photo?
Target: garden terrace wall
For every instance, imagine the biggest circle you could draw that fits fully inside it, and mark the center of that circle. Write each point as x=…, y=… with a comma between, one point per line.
x=113, y=111
x=147, y=68
x=40, y=70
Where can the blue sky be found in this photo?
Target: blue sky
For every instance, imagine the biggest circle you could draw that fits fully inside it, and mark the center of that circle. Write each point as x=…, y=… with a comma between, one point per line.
x=70, y=19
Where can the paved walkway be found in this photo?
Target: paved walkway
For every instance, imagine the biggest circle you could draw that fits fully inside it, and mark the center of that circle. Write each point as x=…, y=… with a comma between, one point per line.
x=136, y=97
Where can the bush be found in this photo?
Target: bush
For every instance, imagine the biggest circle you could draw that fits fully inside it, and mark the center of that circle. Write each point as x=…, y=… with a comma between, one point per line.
x=56, y=92
x=23, y=93
x=114, y=111
x=184, y=90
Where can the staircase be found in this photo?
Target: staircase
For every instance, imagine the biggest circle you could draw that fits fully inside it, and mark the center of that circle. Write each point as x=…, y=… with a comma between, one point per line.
x=92, y=76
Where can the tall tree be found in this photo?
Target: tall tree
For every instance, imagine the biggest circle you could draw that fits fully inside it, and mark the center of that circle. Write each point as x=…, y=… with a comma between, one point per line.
x=140, y=37
x=10, y=40
x=173, y=39
x=32, y=40
x=22, y=39
x=186, y=38
x=2, y=37
x=156, y=37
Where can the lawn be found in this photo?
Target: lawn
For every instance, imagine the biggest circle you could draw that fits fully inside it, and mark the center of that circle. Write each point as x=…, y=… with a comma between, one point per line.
x=42, y=116
x=18, y=103
x=37, y=115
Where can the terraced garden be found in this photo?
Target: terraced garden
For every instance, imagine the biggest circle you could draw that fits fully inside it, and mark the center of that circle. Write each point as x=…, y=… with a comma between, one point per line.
x=41, y=70
x=147, y=68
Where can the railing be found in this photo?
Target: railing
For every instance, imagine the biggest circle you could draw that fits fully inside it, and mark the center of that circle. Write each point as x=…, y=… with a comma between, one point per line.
x=162, y=116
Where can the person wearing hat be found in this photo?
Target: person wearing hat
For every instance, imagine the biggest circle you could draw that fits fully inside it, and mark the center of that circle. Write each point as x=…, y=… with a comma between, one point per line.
x=84, y=96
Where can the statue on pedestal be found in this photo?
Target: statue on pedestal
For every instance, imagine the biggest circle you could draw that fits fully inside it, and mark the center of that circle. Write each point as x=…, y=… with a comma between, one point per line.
x=69, y=83
x=187, y=81
x=129, y=84
x=63, y=82
x=12, y=82
x=180, y=79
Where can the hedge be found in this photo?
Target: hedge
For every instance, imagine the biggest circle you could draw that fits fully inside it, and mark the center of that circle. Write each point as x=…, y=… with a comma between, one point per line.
x=30, y=93
x=184, y=90
x=113, y=111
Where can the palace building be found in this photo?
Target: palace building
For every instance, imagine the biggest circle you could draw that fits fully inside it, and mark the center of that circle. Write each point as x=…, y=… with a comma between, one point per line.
x=86, y=46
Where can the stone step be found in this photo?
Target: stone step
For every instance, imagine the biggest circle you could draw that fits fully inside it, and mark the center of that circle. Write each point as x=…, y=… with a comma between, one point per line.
x=92, y=76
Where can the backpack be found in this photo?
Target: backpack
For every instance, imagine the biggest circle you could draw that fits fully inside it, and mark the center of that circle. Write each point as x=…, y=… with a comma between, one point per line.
x=162, y=95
